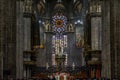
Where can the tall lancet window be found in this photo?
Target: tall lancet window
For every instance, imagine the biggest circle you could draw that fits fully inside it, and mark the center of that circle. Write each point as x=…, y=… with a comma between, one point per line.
x=59, y=40
x=59, y=46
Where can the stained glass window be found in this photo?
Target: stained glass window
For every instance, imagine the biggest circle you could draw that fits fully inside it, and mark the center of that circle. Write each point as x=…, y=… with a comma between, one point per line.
x=59, y=41
x=59, y=46
x=59, y=23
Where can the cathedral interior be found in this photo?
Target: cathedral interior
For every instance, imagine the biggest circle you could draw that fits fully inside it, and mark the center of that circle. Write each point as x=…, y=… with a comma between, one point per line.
x=59, y=39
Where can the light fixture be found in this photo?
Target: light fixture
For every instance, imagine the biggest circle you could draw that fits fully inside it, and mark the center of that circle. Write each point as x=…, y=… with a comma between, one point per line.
x=39, y=21
x=43, y=22
x=75, y=22
x=78, y=21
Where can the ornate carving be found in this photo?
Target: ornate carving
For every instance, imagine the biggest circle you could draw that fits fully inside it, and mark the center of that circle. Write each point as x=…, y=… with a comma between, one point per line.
x=47, y=26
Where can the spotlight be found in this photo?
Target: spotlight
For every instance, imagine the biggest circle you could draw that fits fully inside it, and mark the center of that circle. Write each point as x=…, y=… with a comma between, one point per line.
x=78, y=21
x=40, y=21
x=75, y=23
x=81, y=22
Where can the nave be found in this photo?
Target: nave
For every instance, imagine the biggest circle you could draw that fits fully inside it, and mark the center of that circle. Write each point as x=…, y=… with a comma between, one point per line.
x=59, y=40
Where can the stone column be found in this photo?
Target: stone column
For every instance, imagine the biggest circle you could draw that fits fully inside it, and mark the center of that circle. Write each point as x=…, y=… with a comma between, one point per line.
x=19, y=40
x=27, y=38
x=96, y=33
x=1, y=38
x=106, y=58
x=7, y=37
x=111, y=39
x=115, y=38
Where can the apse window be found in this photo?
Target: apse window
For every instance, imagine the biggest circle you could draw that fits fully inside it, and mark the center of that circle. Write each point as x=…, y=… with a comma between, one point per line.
x=59, y=46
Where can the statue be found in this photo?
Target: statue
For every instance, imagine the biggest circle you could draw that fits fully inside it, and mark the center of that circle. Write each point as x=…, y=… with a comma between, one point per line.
x=71, y=29
x=47, y=26
x=79, y=41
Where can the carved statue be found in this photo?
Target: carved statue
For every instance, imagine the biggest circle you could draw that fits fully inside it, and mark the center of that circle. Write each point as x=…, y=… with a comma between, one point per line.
x=79, y=41
x=71, y=29
x=47, y=26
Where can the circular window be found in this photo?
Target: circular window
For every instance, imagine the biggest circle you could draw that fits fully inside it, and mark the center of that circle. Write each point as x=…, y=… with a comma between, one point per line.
x=59, y=22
